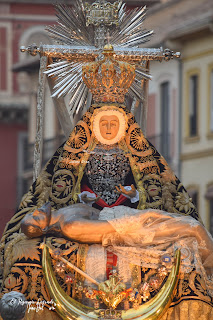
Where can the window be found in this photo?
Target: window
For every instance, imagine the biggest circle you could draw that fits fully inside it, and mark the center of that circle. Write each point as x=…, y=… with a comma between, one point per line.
x=165, y=104
x=193, y=105
x=194, y=194
x=211, y=215
x=209, y=197
x=3, y=59
x=211, y=101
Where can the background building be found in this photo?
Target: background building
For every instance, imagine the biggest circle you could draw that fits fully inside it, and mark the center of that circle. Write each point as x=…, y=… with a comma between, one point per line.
x=181, y=95
x=21, y=23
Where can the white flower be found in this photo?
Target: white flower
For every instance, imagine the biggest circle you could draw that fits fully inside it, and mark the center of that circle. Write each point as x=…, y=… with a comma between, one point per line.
x=183, y=201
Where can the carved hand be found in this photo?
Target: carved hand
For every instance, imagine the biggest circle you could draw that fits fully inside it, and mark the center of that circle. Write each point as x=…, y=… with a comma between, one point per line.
x=131, y=193
x=87, y=199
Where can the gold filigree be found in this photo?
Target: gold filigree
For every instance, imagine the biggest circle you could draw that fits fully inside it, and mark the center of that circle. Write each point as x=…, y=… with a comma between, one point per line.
x=62, y=193
x=26, y=199
x=26, y=249
x=136, y=142
x=111, y=291
x=108, y=79
x=42, y=189
x=34, y=273
x=167, y=189
x=8, y=252
x=44, y=290
x=197, y=284
x=70, y=160
x=79, y=138
x=19, y=283
x=136, y=275
x=148, y=167
x=167, y=174
x=81, y=259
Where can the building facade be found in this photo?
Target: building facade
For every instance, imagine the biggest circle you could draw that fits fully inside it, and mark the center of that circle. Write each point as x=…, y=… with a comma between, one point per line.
x=186, y=26
x=21, y=23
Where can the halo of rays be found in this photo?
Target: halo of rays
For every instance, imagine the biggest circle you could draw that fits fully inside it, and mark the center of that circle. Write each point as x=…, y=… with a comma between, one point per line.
x=71, y=30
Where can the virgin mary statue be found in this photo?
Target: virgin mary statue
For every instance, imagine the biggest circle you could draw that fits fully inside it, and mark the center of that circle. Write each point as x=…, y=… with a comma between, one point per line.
x=113, y=216
x=117, y=210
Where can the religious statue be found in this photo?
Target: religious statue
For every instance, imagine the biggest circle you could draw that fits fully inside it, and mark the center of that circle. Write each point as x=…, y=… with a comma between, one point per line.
x=109, y=222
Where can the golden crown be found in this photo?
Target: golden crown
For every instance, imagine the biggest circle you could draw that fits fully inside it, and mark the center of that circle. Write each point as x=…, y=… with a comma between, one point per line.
x=108, y=79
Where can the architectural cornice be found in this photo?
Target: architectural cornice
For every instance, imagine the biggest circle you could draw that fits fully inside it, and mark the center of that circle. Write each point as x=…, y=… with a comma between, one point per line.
x=196, y=155
x=13, y=113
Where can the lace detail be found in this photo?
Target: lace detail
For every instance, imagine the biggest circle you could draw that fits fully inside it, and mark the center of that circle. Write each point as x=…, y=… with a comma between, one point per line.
x=124, y=270
x=106, y=169
x=96, y=264
x=117, y=213
x=89, y=194
x=134, y=199
x=143, y=237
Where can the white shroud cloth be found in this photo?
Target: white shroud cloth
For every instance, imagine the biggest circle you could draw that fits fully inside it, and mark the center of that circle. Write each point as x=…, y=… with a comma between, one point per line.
x=143, y=237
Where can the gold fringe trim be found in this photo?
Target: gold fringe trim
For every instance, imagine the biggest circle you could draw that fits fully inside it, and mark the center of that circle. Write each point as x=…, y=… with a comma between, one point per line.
x=189, y=310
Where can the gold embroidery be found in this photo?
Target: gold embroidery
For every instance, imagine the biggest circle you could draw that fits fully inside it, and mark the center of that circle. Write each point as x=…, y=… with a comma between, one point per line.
x=18, y=284
x=34, y=273
x=183, y=202
x=197, y=284
x=42, y=189
x=136, y=275
x=26, y=199
x=167, y=189
x=167, y=174
x=136, y=141
x=189, y=310
x=18, y=247
x=79, y=138
x=81, y=258
x=61, y=193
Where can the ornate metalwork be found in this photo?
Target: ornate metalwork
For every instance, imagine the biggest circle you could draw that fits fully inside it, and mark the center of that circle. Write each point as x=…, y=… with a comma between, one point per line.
x=82, y=32
x=108, y=79
x=90, y=53
x=40, y=120
x=107, y=169
x=102, y=12
x=68, y=308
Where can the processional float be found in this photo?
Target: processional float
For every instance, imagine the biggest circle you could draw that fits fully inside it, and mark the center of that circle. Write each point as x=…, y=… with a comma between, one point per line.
x=95, y=33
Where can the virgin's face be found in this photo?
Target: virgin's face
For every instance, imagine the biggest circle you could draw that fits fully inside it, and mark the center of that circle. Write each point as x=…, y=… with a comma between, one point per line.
x=109, y=126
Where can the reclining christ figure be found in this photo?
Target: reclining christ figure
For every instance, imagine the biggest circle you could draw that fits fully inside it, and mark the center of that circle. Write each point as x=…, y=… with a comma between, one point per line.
x=108, y=201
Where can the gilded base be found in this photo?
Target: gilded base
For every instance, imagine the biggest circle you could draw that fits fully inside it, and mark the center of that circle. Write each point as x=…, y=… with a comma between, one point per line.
x=185, y=310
